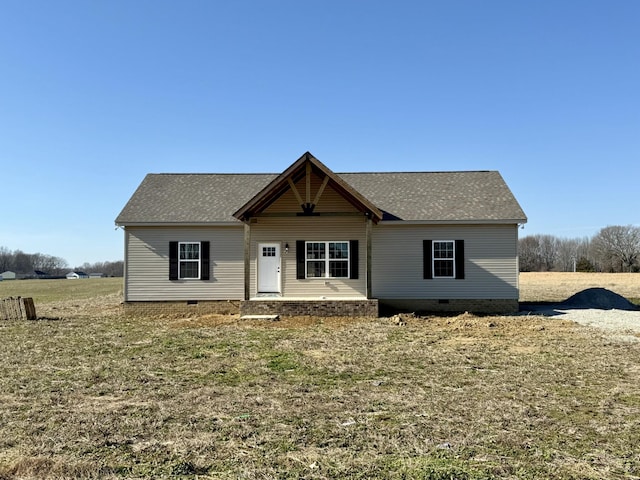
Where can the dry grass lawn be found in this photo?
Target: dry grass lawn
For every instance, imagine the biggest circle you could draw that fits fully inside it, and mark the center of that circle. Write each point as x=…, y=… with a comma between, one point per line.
x=86, y=393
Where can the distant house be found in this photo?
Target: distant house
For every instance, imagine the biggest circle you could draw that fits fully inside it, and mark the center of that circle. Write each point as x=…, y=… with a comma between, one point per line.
x=40, y=274
x=97, y=275
x=76, y=275
x=312, y=241
x=8, y=275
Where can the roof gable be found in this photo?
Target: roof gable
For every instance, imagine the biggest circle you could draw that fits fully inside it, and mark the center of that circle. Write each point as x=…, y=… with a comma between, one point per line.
x=304, y=167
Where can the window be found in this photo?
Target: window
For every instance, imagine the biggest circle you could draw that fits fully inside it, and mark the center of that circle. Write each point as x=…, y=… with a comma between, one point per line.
x=189, y=261
x=443, y=258
x=327, y=259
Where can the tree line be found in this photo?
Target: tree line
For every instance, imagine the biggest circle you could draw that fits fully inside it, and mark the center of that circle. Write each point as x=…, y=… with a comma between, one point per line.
x=613, y=249
x=27, y=264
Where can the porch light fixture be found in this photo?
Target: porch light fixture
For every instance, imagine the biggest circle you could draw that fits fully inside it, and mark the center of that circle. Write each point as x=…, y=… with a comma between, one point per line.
x=286, y=248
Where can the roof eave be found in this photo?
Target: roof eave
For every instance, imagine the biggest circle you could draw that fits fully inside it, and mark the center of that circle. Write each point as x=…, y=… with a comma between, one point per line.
x=232, y=223
x=500, y=221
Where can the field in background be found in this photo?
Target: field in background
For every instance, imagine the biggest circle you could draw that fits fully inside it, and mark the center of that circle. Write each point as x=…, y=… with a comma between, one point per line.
x=87, y=393
x=558, y=286
x=45, y=291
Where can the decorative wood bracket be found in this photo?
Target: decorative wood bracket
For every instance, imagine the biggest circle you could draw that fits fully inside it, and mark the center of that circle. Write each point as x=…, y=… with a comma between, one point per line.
x=307, y=205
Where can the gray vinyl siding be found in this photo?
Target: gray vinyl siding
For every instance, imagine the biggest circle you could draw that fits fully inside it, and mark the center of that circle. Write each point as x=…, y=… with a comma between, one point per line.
x=147, y=267
x=491, y=262
x=285, y=230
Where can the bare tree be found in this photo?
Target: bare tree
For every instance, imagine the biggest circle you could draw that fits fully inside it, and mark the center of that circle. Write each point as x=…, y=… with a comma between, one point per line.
x=6, y=259
x=567, y=255
x=26, y=263
x=618, y=247
x=528, y=254
x=21, y=262
x=538, y=253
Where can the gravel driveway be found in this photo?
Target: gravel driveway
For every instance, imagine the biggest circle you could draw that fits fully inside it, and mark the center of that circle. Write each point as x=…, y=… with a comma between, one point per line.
x=624, y=324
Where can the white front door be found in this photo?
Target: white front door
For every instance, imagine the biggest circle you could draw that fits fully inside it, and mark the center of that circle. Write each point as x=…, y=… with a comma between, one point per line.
x=269, y=268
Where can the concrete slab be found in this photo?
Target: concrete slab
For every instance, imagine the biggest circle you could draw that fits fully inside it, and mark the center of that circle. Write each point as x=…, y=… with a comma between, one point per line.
x=273, y=318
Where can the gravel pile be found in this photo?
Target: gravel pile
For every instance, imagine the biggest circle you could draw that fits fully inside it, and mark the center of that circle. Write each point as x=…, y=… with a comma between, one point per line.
x=599, y=298
x=596, y=307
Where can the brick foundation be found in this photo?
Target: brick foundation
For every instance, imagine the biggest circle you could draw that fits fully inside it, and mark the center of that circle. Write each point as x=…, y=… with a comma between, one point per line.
x=319, y=308
x=174, y=309
x=500, y=306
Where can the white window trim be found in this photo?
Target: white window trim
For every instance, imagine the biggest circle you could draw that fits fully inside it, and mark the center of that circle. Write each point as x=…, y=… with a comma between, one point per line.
x=434, y=259
x=327, y=259
x=198, y=261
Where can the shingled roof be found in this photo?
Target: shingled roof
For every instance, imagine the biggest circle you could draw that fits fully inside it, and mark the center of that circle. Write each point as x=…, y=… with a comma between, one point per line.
x=477, y=196
x=439, y=197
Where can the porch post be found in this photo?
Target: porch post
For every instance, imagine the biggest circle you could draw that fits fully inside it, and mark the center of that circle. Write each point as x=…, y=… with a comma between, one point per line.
x=368, y=235
x=247, y=261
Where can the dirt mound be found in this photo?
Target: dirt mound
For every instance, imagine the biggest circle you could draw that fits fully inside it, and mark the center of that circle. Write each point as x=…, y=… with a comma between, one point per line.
x=599, y=298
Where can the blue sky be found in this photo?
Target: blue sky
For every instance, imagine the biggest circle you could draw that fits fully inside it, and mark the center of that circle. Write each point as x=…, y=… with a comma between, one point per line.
x=96, y=94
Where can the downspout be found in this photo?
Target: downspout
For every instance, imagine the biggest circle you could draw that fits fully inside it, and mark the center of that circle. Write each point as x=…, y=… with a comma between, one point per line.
x=247, y=261
x=368, y=229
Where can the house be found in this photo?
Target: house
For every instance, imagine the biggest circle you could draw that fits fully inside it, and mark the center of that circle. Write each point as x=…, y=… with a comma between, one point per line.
x=8, y=275
x=76, y=275
x=311, y=241
x=96, y=275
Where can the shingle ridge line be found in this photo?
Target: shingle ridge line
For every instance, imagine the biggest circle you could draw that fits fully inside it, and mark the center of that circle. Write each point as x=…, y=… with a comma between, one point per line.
x=416, y=171
x=212, y=173
x=337, y=173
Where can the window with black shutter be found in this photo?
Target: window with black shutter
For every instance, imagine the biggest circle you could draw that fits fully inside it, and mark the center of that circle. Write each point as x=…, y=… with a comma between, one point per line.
x=443, y=259
x=189, y=261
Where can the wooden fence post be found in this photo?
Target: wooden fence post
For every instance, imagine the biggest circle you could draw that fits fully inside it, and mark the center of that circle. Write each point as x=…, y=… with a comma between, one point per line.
x=29, y=309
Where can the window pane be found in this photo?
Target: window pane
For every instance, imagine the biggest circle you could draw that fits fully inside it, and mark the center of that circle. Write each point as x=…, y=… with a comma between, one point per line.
x=442, y=249
x=443, y=268
x=268, y=251
x=188, y=269
x=338, y=250
x=315, y=269
x=189, y=251
x=338, y=268
x=315, y=250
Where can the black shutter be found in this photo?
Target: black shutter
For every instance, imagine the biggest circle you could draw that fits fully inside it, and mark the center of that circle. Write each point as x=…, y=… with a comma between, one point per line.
x=427, y=253
x=173, y=260
x=353, y=259
x=300, y=257
x=205, y=265
x=459, y=259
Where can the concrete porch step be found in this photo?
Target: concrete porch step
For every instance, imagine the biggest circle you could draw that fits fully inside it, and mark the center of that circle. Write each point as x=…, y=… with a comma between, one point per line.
x=273, y=318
